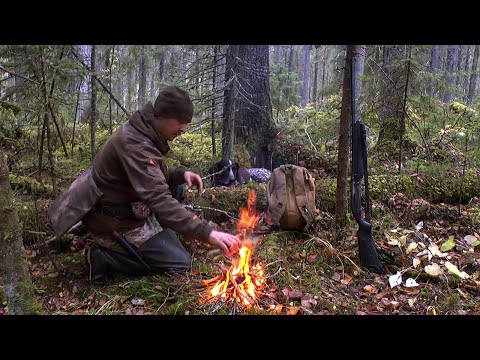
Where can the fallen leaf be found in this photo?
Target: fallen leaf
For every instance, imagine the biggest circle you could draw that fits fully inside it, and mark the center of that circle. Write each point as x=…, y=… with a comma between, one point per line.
x=454, y=270
x=416, y=262
x=292, y=310
x=436, y=251
x=278, y=308
x=403, y=239
x=295, y=294
x=370, y=289
x=449, y=244
x=433, y=270
x=393, y=242
x=410, y=282
x=419, y=226
x=412, y=246
x=306, y=311
x=308, y=302
x=346, y=280
x=138, y=301
x=336, y=276
x=470, y=239
x=395, y=280
x=431, y=311
x=391, y=305
x=383, y=293
x=425, y=252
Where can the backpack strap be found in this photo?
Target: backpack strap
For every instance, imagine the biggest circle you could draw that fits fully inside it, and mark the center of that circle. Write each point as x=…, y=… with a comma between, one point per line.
x=304, y=188
x=300, y=192
x=277, y=194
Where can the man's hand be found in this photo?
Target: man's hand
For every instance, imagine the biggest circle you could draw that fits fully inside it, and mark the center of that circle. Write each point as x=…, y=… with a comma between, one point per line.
x=227, y=242
x=193, y=179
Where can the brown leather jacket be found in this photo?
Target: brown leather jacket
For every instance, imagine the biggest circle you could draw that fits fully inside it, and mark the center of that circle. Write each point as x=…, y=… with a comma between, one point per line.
x=130, y=167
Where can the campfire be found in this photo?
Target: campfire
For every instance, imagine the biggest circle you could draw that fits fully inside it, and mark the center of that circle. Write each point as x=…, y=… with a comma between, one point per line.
x=242, y=282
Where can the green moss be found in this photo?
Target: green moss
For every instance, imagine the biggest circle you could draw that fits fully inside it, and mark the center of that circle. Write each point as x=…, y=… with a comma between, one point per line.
x=193, y=150
x=202, y=267
x=325, y=194
x=21, y=183
x=25, y=291
x=269, y=248
x=179, y=307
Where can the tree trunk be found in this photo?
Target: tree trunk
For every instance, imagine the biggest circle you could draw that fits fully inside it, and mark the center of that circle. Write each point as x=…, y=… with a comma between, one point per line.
x=110, y=64
x=466, y=71
x=324, y=73
x=214, y=93
x=434, y=67
x=279, y=54
x=142, y=78
x=392, y=110
x=228, y=133
x=315, y=76
x=93, y=103
x=452, y=55
x=305, y=75
x=17, y=283
x=458, y=66
x=251, y=112
x=357, y=52
x=128, y=100
x=472, y=90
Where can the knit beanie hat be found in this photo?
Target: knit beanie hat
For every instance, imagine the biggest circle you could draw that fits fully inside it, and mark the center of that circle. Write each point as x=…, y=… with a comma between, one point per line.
x=173, y=102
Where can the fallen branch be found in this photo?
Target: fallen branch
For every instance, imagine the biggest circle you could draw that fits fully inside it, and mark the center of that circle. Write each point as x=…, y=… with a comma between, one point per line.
x=191, y=207
x=209, y=281
x=53, y=238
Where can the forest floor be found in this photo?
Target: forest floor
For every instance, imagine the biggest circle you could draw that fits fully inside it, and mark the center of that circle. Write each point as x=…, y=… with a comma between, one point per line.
x=435, y=270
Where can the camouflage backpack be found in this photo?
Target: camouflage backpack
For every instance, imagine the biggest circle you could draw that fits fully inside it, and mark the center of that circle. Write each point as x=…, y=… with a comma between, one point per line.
x=291, y=197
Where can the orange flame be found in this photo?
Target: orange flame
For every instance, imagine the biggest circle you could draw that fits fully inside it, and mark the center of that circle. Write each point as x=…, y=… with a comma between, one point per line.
x=246, y=281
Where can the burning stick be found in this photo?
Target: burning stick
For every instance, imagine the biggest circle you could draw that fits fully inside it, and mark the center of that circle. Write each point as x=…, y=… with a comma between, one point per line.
x=209, y=281
x=241, y=282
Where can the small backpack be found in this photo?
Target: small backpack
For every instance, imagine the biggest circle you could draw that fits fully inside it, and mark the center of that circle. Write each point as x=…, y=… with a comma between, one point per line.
x=291, y=197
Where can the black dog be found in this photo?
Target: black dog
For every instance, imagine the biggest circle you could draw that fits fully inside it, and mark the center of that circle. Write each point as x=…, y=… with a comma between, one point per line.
x=227, y=173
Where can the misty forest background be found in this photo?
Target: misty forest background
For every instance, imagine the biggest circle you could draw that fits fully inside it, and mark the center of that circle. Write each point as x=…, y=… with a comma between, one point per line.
x=261, y=105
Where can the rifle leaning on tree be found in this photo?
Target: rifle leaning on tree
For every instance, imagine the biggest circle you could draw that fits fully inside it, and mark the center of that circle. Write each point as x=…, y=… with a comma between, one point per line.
x=368, y=253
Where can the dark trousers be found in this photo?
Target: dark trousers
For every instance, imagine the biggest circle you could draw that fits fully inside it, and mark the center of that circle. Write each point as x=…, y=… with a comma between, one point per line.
x=163, y=252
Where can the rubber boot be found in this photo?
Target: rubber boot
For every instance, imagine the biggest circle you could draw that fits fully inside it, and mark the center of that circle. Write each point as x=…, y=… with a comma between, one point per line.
x=103, y=263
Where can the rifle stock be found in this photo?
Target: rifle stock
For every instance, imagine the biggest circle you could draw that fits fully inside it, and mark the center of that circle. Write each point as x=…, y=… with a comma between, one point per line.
x=366, y=244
